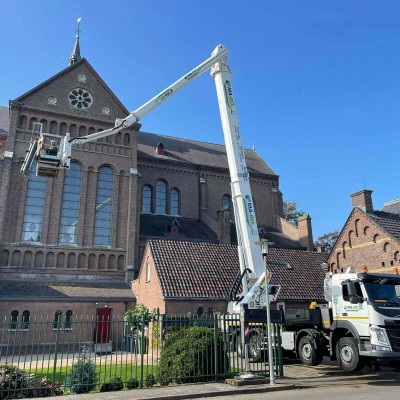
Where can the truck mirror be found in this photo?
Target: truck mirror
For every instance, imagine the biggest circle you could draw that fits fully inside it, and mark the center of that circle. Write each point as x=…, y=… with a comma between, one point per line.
x=356, y=299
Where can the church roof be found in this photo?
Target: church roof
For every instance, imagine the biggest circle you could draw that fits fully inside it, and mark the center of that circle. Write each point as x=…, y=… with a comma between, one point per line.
x=64, y=291
x=199, y=270
x=152, y=226
x=195, y=152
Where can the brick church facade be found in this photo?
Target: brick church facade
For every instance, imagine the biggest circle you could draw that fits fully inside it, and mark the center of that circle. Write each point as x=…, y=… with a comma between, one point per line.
x=73, y=244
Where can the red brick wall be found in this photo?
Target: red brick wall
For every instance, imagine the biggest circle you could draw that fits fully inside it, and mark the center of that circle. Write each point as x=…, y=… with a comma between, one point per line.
x=361, y=242
x=148, y=292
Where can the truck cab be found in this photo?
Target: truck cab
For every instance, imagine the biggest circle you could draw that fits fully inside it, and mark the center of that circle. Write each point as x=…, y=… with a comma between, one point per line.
x=365, y=307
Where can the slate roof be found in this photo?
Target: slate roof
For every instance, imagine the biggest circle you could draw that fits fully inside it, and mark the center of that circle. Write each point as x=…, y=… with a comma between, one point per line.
x=152, y=226
x=64, y=291
x=194, y=152
x=388, y=221
x=4, y=121
x=392, y=207
x=273, y=235
x=190, y=270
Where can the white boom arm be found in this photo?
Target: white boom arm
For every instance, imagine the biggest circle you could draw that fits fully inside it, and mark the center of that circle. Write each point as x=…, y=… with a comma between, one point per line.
x=251, y=262
x=219, y=53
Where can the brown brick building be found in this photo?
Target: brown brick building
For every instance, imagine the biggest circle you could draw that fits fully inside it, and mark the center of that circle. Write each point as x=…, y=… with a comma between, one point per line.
x=369, y=237
x=76, y=241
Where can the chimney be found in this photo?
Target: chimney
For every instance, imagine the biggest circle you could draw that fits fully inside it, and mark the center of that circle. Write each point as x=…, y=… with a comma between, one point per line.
x=363, y=199
x=224, y=226
x=305, y=232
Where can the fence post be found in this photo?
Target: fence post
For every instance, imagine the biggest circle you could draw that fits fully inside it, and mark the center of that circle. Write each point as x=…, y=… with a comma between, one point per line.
x=280, y=350
x=53, y=375
x=142, y=317
x=216, y=346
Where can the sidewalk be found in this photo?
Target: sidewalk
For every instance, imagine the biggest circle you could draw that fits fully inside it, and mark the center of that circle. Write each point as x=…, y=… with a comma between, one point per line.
x=296, y=377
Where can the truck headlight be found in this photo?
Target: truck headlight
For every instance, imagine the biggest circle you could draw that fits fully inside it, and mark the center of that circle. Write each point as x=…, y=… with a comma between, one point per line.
x=379, y=334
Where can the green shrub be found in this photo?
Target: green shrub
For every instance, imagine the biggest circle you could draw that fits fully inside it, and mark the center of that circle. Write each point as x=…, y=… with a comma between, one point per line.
x=189, y=356
x=132, y=384
x=83, y=377
x=150, y=380
x=114, y=385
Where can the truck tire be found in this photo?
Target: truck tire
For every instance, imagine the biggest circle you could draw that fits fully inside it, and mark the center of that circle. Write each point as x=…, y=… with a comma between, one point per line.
x=308, y=353
x=255, y=351
x=347, y=354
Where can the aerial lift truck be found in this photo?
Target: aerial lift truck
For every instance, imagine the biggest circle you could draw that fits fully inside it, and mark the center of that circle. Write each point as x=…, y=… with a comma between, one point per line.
x=361, y=319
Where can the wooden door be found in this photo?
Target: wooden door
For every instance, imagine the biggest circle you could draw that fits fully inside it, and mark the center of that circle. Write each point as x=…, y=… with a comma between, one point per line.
x=103, y=325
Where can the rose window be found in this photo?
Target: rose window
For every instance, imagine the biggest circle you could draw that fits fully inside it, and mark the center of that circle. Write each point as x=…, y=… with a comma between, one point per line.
x=80, y=98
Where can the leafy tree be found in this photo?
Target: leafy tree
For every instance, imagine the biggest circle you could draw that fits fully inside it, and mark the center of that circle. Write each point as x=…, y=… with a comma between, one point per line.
x=290, y=211
x=327, y=241
x=138, y=316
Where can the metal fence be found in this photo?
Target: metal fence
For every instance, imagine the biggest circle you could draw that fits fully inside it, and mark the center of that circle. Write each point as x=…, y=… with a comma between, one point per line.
x=45, y=357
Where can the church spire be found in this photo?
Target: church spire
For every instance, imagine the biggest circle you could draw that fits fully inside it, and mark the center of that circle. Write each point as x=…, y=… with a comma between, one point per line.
x=76, y=52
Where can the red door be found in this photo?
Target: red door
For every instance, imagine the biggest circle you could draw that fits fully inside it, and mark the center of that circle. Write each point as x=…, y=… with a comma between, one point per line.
x=103, y=325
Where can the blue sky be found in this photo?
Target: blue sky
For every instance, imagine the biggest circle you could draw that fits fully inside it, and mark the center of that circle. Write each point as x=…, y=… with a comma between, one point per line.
x=317, y=83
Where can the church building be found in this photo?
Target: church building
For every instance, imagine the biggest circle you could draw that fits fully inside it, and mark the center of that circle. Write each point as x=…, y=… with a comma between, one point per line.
x=71, y=245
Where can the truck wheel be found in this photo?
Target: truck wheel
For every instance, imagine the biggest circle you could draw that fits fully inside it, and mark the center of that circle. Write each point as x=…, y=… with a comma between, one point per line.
x=347, y=354
x=309, y=355
x=255, y=351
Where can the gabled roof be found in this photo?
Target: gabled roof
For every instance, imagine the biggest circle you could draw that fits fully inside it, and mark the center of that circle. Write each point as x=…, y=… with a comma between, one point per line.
x=66, y=71
x=4, y=121
x=194, y=152
x=195, y=270
x=387, y=221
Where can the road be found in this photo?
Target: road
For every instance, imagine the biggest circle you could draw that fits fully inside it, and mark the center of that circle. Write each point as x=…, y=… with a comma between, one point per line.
x=367, y=391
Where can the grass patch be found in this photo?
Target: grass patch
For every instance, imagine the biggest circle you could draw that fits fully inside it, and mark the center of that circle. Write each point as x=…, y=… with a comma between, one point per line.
x=105, y=373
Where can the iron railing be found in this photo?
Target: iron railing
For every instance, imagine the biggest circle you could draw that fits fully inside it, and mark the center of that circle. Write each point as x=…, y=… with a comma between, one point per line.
x=42, y=357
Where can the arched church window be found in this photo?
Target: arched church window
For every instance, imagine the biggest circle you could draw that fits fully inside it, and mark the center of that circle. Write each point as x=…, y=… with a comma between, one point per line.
x=34, y=207
x=103, y=215
x=70, y=205
x=161, y=197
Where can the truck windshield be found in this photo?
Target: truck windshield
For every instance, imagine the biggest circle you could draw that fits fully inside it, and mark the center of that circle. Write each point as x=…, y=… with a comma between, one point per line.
x=384, y=293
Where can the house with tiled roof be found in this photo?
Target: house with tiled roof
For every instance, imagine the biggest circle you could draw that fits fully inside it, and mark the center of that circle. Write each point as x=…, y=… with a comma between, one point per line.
x=182, y=277
x=369, y=237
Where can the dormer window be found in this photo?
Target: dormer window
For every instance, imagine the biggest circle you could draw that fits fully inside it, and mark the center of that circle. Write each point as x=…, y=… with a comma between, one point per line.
x=262, y=234
x=160, y=149
x=174, y=228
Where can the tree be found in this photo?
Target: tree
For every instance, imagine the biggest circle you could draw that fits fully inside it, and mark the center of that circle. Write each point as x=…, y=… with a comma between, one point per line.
x=327, y=241
x=290, y=211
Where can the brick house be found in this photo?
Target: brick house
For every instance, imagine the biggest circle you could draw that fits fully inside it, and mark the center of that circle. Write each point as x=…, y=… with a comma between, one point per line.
x=181, y=277
x=368, y=237
x=88, y=227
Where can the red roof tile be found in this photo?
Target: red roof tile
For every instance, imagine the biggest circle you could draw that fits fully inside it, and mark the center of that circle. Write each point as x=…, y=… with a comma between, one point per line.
x=205, y=270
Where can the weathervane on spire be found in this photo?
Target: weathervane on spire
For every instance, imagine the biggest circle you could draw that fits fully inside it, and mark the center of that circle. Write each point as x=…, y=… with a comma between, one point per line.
x=79, y=23
x=76, y=53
